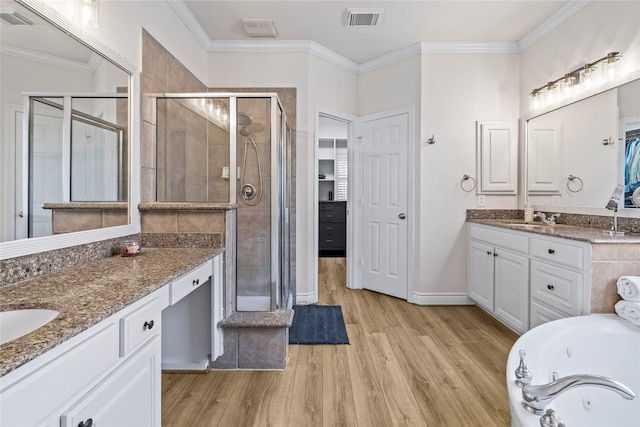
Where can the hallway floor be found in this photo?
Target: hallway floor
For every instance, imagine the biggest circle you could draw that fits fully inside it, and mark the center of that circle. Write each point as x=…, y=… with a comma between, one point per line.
x=407, y=365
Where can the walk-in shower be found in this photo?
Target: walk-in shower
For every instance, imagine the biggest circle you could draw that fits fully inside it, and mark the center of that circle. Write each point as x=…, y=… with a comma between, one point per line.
x=234, y=148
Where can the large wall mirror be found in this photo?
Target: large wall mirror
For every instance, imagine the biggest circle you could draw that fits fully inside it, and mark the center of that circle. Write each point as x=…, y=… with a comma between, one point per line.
x=67, y=138
x=578, y=154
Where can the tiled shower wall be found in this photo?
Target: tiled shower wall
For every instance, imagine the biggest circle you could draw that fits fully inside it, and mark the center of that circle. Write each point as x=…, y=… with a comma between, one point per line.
x=163, y=73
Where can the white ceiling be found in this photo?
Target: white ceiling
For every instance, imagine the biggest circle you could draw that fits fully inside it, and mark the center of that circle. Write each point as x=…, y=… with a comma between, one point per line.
x=403, y=23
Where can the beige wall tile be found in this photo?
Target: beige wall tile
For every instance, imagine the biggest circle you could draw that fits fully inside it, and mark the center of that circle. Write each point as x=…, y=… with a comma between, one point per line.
x=201, y=222
x=113, y=218
x=604, y=275
x=67, y=221
x=159, y=222
x=616, y=252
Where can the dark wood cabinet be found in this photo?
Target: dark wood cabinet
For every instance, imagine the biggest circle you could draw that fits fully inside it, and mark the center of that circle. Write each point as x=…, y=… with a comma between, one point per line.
x=332, y=233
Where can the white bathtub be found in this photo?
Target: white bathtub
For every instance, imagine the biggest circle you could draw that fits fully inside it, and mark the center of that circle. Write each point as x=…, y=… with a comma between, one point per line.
x=602, y=344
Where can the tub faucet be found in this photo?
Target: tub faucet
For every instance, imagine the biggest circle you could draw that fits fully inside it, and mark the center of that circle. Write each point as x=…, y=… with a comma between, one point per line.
x=544, y=220
x=535, y=398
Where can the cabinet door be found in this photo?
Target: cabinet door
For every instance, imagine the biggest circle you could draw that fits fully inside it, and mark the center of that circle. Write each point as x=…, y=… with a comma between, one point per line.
x=512, y=289
x=544, y=158
x=130, y=396
x=480, y=274
x=497, y=151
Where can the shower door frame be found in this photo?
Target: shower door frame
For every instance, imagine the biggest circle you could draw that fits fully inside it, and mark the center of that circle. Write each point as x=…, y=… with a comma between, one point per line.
x=279, y=206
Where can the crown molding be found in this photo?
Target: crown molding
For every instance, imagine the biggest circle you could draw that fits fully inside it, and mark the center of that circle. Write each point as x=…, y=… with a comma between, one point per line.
x=552, y=22
x=313, y=48
x=43, y=58
x=185, y=14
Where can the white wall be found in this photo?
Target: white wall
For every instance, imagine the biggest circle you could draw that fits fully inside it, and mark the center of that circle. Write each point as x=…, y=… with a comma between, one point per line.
x=457, y=90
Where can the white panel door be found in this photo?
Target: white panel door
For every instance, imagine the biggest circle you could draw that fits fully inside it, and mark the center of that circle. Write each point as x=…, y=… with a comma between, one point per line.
x=384, y=205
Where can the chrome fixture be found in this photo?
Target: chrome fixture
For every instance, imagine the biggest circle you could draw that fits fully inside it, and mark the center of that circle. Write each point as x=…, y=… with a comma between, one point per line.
x=569, y=84
x=535, y=398
x=551, y=419
x=544, y=220
x=523, y=375
x=466, y=178
x=612, y=204
x=577, y=183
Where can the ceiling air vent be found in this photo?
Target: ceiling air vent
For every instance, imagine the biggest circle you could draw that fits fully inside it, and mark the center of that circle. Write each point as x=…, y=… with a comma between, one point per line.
x=364, y=17
x=12, y=17
x=259, y=27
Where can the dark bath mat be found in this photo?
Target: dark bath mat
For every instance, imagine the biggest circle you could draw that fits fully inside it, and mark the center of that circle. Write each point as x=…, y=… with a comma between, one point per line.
x=318, y=324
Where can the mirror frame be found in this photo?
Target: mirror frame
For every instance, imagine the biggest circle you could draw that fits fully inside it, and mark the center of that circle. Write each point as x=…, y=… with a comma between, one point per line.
x=589, y=210
x=28, y=246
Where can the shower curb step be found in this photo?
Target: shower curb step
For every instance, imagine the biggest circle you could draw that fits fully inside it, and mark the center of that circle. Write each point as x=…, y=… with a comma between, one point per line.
x=258, y=319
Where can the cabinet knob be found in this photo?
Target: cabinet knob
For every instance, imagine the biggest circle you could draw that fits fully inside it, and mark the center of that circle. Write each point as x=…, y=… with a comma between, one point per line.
x=489, y=253
x=551, y=251
x=402, y=216
x=495, y=254
x=147, y=325
x=196, y=282
x=550, y=287
x=87, y=423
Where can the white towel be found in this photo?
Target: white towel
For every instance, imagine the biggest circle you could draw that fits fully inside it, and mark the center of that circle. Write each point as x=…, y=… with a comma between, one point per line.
x=629, y=287
x=629, y=310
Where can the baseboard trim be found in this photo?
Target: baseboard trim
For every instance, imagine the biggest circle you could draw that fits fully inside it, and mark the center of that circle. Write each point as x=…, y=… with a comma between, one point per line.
x=306, y=298
x=185, y=366
x=420, y=298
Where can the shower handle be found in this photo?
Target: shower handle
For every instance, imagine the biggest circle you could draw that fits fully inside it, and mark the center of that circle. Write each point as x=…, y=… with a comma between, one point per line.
x=402, y=216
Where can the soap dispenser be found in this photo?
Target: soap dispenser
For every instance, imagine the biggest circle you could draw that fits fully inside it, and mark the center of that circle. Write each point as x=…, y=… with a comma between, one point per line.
x=528, y=214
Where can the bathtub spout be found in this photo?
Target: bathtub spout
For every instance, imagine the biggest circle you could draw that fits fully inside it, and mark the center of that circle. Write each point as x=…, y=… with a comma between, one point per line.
x=535, y=398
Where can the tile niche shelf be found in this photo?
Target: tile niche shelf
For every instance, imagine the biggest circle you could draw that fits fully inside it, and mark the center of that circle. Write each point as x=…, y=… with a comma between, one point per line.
x=332, y=165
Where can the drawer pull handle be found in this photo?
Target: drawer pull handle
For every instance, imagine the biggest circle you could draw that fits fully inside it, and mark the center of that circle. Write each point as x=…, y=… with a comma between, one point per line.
x=550, y=287
x=147, y=325
x=87, y=423
x=329, y=228
x=196, y=282
x=551, y=251
x=329, y=216
x=329, y=240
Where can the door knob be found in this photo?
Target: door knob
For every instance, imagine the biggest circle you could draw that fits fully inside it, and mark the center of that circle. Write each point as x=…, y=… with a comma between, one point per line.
x=402, y=216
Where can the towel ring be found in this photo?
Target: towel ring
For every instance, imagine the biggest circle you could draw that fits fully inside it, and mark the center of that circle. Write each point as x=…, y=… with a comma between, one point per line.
x=467, y=178
x=577, y=187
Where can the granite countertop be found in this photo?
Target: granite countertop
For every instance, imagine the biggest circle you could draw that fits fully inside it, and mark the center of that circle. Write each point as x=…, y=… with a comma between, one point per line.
x=584, y=234
x=87, y=294
x=186, y=206
x=86, y=205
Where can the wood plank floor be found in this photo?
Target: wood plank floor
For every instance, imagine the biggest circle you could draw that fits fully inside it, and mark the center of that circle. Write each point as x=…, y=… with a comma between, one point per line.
x=407, y=365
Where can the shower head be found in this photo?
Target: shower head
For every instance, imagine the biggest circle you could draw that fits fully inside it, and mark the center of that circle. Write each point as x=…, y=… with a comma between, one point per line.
x=244, y=120
x=244, y=131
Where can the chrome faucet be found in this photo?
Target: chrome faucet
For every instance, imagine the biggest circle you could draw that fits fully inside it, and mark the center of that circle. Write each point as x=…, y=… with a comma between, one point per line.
x=544, y=220
x=535, y=398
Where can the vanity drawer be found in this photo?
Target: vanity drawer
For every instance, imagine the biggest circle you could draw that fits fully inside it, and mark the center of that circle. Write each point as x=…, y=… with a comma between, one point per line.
x=541, y=314
x=139, y=326
x=507, y=240
x=332, y=212
x=186, y=284
x=557, y=287
x=560, y=253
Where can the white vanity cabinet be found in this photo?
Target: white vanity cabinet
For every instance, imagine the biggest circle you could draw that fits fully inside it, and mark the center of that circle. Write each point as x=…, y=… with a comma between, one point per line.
x=526, y=279
x=498, y=275
x=75, y=372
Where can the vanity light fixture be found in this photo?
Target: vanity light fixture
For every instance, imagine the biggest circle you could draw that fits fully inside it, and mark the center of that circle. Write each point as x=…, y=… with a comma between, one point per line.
x=581, y=79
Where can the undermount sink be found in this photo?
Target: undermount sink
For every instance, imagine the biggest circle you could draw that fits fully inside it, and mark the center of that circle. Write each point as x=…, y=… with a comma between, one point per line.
x=519, y=224
x=16, y=323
